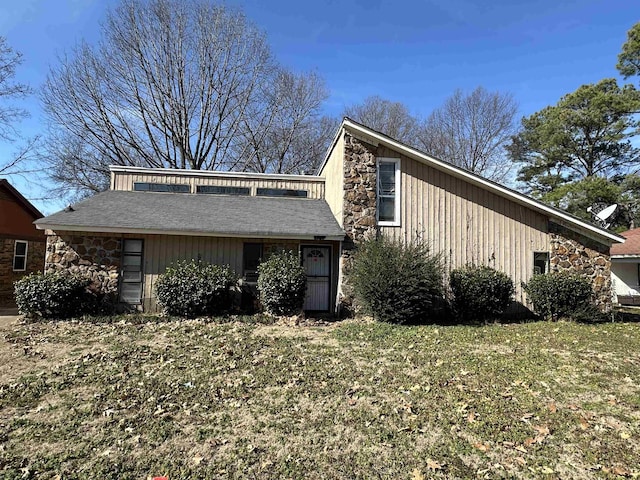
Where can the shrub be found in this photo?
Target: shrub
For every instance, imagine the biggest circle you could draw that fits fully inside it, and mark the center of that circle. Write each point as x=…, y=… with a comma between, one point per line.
x=282, y=284
x=195, y=288
x=480, y=292
x=54, y=295
x=559, y=294
x=397, y=282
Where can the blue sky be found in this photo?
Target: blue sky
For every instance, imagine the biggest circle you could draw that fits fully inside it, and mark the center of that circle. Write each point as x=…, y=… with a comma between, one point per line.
x=415, y=52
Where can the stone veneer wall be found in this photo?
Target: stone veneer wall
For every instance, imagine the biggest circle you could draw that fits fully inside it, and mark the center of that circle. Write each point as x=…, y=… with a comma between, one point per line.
x=359, y=208
x=35, y=263
x=571, y=251
x=97, y=257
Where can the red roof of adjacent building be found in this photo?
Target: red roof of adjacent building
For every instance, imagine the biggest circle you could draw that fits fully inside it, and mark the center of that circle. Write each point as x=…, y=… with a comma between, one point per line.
x=631, y=246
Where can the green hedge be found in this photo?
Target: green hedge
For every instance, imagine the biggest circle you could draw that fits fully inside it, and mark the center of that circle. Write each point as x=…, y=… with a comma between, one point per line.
x=282, y=284
x=480, y=292
x=559, y=295
x=397, y=282
x=194, y=288
x=54, y=295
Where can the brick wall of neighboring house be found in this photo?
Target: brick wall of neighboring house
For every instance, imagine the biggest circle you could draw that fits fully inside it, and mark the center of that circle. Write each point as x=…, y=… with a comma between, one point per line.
x=359, y=208
x=571, y=251
x=93, y=255
x=35, y=263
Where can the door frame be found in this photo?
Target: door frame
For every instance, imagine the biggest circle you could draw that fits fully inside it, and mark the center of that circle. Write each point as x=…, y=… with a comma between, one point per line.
x=329, y=247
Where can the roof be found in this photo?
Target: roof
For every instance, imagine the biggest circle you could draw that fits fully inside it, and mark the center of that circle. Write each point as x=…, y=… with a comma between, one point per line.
x=26, y=204
x=629, y=248
x=197, y=214
x=561, y=217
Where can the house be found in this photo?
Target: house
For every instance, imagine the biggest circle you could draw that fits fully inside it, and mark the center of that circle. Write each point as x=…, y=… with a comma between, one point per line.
x=22, y=245
x=369, y=184
x=625, y=269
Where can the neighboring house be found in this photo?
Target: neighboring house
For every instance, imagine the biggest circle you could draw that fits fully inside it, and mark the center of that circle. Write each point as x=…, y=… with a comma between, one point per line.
x=22, y=246
x=369, y=184
x=625, y=269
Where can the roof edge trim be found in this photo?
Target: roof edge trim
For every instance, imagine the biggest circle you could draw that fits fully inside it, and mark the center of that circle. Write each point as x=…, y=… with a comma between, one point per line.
x=21, y=198
x=144, y=231
x=209, y=173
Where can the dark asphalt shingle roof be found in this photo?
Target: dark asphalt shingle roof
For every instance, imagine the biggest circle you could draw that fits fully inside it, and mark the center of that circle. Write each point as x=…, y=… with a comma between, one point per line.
x=197, y=213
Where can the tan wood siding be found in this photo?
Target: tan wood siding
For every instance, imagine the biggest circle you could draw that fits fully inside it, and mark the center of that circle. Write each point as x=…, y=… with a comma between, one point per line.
x=333, y=172
x=125, y=181
x=467, y=224
x=162, y=250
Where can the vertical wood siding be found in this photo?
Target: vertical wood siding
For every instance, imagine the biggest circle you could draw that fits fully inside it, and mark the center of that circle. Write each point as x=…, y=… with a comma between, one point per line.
x=334, y=188
x=125, y=181
x=467, y=224
x=162, y=250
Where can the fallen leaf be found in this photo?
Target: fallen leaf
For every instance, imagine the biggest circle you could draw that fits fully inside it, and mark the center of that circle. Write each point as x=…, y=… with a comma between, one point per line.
x=521, y=460
x=528, y=442
x=520, y=448
x=547, y=470
x=433, y=465
x=471, y=417
x=416, y=475
x=525, y=418
x=624, y=435
x=552, y=407
x=197, y=460
x=483, y=447
x=584, y=425
x=623, y=472
x=542, y=430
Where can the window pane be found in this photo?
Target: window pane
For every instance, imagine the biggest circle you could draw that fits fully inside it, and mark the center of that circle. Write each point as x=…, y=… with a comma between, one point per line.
x=21, y=248
x=540, y=262
x=131, y=292
x=160, y=187
x=222, y=190
x=19, y=263
x=133, y=246
x=281, y=192
x=386, y=209
x=131, y=261
x=386, y=178
x=252, y=254
x=132, y=276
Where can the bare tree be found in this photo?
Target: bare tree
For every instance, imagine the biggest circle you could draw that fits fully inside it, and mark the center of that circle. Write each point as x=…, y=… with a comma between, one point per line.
x=287, y=134
x=385, y=116
x=10, y=113
x=9, y=91
x=471, y=131
x=173, y=84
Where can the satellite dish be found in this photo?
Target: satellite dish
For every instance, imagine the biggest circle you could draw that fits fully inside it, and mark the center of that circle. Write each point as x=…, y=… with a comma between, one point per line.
x=601, y=216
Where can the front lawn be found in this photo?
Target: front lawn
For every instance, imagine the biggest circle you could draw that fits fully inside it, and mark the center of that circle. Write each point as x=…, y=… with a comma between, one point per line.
x=189, y=399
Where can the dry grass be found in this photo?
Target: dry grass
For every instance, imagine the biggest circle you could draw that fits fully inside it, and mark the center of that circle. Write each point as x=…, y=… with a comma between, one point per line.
x=239, y=399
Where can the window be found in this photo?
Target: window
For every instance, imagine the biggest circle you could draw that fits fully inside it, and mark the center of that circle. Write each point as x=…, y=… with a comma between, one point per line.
x=20, y=256
x=251, y=256
x=540, y=263
x=388, y=191
x=161, y=187
x=218, y=190
x=131, y=275
x=281, y=192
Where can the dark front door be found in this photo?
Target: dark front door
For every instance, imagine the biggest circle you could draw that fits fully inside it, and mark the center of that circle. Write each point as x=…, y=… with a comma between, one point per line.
x=317, y=266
